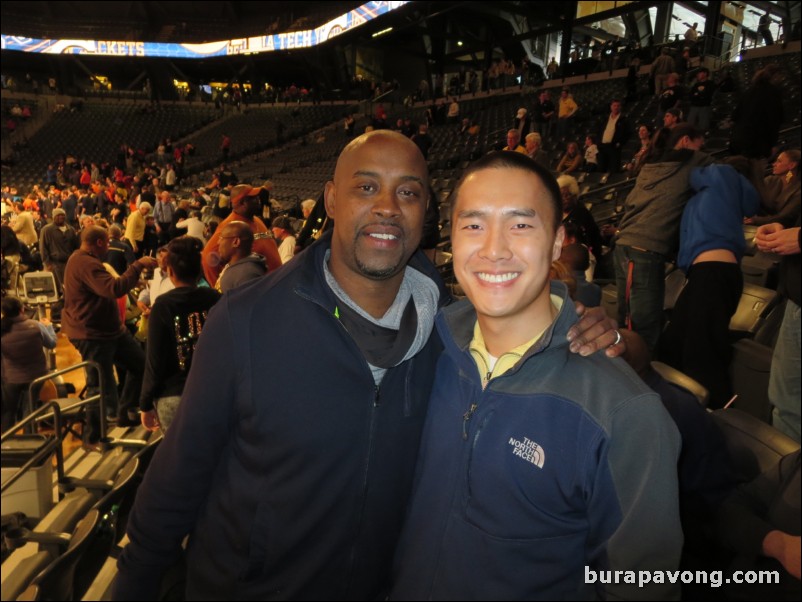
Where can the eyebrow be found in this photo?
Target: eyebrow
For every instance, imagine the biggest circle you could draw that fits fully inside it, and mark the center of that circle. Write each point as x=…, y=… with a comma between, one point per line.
x=478, y=213
x=375, y=174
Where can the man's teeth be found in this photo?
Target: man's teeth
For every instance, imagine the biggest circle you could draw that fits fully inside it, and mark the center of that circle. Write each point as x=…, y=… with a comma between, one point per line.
x=497, y=277
x=383, y=236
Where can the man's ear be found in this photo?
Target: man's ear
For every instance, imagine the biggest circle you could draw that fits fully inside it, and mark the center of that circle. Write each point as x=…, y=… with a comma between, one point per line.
x=558, y=243
x=329, y=196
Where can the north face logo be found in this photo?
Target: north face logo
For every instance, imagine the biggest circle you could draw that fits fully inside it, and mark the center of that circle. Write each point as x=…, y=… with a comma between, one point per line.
x=528, y=450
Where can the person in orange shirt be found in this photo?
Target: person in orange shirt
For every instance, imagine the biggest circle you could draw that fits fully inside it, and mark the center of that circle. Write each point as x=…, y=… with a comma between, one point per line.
x=245, y=205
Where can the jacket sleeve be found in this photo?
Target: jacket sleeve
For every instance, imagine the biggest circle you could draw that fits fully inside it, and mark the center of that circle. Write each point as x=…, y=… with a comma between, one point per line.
x=634, y=505
x=43, y=248
x=103, y=284
x=49, y=339
x=180, y=476
x=160, y=339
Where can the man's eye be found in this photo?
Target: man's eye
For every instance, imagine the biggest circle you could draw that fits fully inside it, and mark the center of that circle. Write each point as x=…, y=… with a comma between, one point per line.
x=409, y=193
x=522, y=226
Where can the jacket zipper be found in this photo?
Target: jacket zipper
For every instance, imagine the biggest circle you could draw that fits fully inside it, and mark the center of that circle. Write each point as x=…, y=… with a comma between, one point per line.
x=467, y=415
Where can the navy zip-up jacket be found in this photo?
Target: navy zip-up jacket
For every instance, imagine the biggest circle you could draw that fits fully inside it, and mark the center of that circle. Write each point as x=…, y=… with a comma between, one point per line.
x=288, y=467
x=562, y=463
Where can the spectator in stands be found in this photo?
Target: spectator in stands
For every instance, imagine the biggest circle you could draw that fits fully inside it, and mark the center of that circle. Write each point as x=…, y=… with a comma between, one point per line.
x=591, y=156
x=11, y=254
x=241, y=264
x=175, y=323
x=193, y=225
x=57, y=242
x=150, y=239
x=645, y=136
x=662, y=66
x=545, y=114
x=692, y=34
x=23, y=359
x=453, y=111
x=648, y=234
x=522, y=123
x=514, y=142
x=760, y=523
x=711, y=245
x=764, y=29
x=243, y=438
x=155, y=286
x=552, y=67
x=534, y=151
x=614, y=133
x=566, y=112
x=423, y=140
x=785, y=390
x=671, y=97
x=759, y=115
x=576, y=257
x=245, y=205
x=571, y=160
x=225, y=146
x=781, y=192
x=671, y=118
x=701, y=97
x=632, y=79
x=576, y=213
x=135, y=227
x=120, y=254
x=91, y=320
x=22, y=224
x=284, y=233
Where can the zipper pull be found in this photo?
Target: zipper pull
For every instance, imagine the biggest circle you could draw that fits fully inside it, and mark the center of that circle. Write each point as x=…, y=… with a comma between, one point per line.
x=465, y=418
x=376, y=396
x=486, y=380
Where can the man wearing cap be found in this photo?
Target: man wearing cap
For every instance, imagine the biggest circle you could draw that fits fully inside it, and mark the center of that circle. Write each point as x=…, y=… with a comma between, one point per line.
x=57, y=241
x=135, y=227
x=245, y=205
x=285, y=235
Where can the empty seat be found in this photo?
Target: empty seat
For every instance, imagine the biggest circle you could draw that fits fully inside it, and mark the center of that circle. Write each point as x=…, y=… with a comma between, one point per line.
x=755, y=304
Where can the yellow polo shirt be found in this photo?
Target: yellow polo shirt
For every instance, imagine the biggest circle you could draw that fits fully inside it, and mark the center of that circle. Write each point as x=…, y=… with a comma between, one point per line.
x=490, y=367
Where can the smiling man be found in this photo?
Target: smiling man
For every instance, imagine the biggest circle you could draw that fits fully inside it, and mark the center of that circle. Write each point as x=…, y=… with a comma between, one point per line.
x=538, y=468
x=290, y=466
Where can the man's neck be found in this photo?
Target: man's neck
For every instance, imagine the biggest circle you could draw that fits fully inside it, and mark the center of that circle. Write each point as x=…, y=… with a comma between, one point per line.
x=374, y=296
x=504, y=335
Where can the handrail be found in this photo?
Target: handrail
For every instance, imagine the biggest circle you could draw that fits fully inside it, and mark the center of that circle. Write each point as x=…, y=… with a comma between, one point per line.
x=54, y=445
x=87, y=401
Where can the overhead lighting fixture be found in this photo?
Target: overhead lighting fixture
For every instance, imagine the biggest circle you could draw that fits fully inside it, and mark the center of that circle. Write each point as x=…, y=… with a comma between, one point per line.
x=382, y=32
x=459, y=42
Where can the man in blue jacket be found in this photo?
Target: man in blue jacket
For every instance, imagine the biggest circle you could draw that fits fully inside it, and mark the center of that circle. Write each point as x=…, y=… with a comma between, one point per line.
x=541, y=475
x=291, y=469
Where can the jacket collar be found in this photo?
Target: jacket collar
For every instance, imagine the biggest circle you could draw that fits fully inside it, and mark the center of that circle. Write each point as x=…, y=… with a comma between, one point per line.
x=455, y=325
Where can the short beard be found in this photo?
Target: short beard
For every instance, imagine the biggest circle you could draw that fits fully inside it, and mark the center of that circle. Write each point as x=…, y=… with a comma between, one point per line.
x=378, y=274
